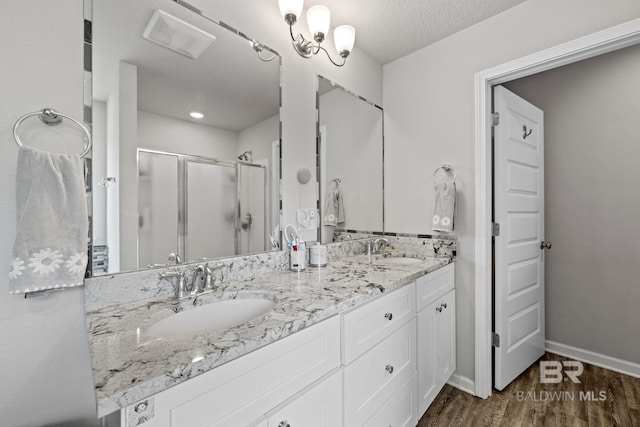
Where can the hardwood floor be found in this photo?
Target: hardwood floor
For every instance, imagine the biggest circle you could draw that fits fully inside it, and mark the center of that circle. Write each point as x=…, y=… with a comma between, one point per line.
x=603, y=398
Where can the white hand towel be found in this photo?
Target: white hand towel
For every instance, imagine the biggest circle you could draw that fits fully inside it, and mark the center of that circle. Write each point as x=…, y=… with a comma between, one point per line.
x=445, y=206
x=50, y=250
x=334, y=208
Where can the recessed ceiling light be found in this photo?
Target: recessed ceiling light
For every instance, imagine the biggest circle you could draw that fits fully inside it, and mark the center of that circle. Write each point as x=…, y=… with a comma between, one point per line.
x=196, y=114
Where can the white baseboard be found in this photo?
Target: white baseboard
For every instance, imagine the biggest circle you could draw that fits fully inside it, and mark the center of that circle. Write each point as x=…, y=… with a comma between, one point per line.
x=462, y=383
x=607, y=362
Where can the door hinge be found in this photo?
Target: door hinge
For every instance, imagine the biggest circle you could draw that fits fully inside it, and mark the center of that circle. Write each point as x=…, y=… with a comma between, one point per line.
x=495, y=119
x=495, y=229
x=495, y=339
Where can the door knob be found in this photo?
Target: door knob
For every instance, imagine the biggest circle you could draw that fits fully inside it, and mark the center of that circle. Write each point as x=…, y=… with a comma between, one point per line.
x=388, y=316
x=545, y=245
x=389, y=369
x=284, y=424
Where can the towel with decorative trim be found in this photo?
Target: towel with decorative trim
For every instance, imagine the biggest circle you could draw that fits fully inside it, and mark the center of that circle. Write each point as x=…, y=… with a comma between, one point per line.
x=445, y=206
x=50, y=249
x=334, y=207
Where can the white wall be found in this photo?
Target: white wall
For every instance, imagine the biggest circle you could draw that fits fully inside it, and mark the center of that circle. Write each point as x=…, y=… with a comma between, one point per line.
x=258, y=138
x=592, y=201
x=99, y=171
x=163, y=133
x=44, y=361
x=429, y=112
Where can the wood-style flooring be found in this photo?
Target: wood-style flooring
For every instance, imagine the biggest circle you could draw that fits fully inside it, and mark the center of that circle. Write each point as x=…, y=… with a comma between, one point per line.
x=615, y=401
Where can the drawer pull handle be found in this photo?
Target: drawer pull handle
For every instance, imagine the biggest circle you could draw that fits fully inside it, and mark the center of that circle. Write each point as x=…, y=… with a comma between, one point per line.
x=443, y=305
x=389, y=369
x=439, y=309
x=284, y=424
x=388, y=316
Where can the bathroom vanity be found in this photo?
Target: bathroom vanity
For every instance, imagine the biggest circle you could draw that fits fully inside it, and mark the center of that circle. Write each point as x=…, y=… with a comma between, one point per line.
x=364, y=341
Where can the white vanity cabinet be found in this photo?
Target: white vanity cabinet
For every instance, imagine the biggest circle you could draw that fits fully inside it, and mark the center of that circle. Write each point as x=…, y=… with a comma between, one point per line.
x=436, y=333
x=379, y=348
x=320, y=406
x=241, y=392
x=380, y=363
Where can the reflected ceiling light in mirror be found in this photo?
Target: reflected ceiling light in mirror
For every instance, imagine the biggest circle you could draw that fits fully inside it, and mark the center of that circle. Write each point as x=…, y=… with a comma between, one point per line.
x=196, y=114
x=177, y=35
x=318, y=19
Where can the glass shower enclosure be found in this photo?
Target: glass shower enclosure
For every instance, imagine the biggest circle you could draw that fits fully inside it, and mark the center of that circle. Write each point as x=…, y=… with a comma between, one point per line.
x=198, y=207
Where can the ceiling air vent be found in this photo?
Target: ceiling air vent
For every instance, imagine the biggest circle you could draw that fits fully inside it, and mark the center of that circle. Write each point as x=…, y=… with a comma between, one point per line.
x=177, y=35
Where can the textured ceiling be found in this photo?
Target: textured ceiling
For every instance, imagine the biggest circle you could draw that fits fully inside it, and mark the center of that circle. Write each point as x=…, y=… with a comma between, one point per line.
x=390, y=29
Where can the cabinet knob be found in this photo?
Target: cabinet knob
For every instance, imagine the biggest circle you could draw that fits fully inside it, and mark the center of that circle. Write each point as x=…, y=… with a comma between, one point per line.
x=389, y=369
x=443, y=305
x=439, y=309
x=284, y=424
x=388, y=316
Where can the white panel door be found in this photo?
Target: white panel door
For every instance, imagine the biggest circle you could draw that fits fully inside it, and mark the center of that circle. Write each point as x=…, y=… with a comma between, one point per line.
x=519, y=261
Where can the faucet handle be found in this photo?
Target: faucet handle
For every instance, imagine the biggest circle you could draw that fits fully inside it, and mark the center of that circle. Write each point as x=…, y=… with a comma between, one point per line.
x=180, y=287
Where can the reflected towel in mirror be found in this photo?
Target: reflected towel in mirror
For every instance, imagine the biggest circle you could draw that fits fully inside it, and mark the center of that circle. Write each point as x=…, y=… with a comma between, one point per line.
x=334, y=207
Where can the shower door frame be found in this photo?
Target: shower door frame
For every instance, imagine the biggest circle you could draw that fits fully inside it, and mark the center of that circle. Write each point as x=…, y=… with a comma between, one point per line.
x=183, y=197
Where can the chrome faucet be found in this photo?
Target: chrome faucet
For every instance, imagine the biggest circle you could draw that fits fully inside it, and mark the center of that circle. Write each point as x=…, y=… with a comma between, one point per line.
x=379, y=243
x=181, y=286
x=174, y=257
x=201, y=270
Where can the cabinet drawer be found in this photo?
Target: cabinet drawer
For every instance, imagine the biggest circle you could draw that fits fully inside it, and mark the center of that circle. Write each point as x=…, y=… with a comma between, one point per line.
x=401, y=409
x=372, y=379
x=366, y=326
x=243, y=390
x=435, y=284
x=320, y=406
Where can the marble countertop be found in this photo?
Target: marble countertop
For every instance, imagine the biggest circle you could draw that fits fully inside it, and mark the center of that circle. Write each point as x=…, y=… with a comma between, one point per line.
x=128, y=367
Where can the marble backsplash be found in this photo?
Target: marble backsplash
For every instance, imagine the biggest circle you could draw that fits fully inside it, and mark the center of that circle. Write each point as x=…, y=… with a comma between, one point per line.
x=115, y=289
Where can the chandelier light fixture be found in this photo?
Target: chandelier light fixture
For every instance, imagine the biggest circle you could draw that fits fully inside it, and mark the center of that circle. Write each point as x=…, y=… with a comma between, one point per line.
x=318, y=19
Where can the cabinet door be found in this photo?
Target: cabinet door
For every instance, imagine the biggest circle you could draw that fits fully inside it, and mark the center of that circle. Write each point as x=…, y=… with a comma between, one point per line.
x=321, y=406
x=436, y=348
x=446, y=338
x=427, y=345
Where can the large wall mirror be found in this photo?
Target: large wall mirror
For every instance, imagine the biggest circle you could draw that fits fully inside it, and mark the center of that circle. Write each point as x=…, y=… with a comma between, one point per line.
x=186, y=131
x=350, y=162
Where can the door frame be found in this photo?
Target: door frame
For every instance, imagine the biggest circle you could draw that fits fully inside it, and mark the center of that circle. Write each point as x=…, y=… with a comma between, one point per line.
x=601, y=42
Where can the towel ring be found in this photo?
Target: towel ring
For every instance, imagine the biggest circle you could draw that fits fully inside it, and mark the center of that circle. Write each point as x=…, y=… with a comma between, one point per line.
x=446, y=168
x=51, y=117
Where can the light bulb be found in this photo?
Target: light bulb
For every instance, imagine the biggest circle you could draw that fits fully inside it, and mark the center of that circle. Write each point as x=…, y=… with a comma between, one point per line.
x=290, y=10
x=344, y=37
x=318, y=19
x=196, y=114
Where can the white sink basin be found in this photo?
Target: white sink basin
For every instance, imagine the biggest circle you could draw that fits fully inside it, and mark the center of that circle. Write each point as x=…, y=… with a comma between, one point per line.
x=211, y=317
x=399, y=261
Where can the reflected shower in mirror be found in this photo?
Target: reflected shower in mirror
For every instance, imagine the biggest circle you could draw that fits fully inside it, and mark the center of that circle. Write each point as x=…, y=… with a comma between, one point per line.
x=350, y=160
x=186, y=130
